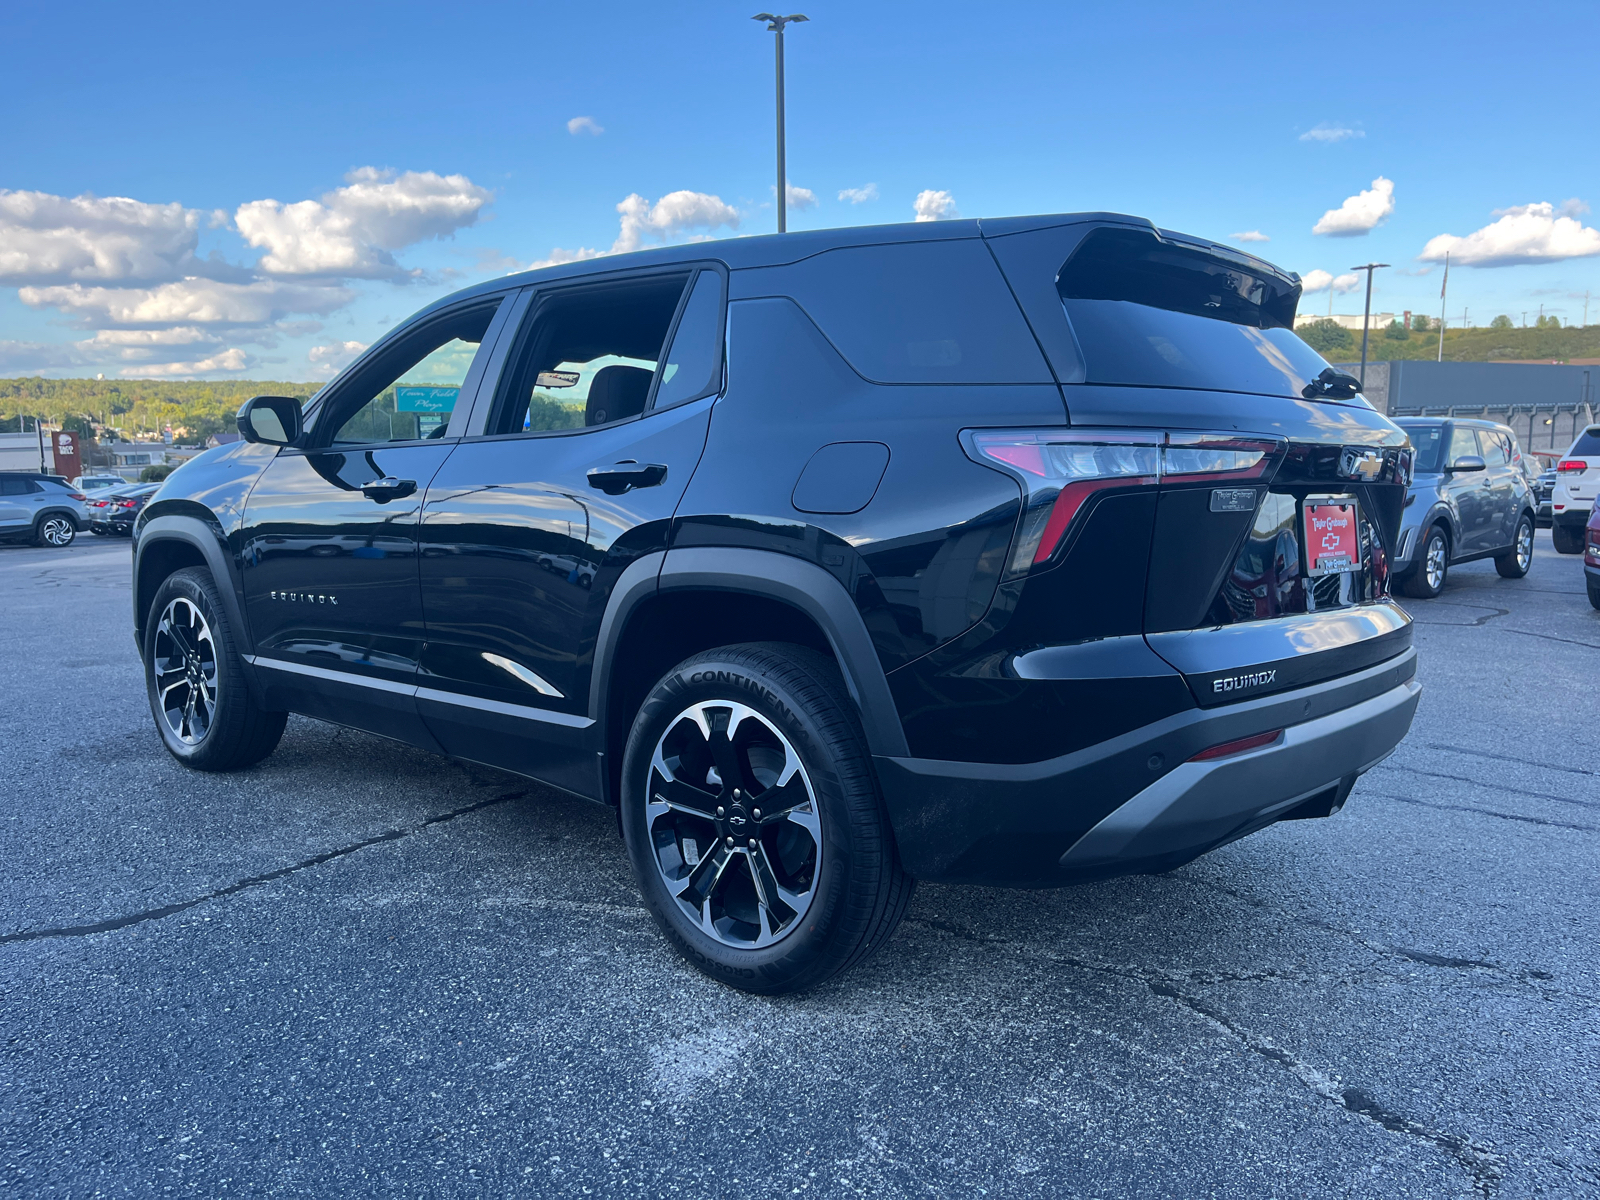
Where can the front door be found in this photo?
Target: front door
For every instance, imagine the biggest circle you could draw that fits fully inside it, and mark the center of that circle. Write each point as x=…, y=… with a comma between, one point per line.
x=598, y=422
x=330, y=532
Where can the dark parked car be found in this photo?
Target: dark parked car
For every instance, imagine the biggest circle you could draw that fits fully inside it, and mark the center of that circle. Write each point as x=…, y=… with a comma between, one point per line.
x=112, y=512
x=1025, y=552
x=1591, y=557
x=1543, y=491
x=1468, y=500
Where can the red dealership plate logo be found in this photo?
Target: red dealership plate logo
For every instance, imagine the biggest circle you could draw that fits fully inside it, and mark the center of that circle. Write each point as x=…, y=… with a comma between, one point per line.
x=1331, y=541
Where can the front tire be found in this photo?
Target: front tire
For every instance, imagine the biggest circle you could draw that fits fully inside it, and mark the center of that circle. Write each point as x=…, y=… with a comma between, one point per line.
x=1568, y=538
x=1426, y=580
x=202, y=706
x=55, y=529
x=753, y=820
x=1514, y=563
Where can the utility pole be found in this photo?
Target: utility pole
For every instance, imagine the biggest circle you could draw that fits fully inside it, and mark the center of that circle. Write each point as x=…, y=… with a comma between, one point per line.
x=1443, y=288
x=1366, y=318
x=775, y=25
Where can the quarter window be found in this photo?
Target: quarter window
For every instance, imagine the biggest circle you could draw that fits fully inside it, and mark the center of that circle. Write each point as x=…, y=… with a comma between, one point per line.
x=694, y=363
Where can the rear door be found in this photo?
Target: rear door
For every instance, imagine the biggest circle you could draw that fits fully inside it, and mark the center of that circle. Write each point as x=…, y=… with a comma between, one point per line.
x=1503, y=477
x=15, y=510
x=1468, y=492
x=330, y=530
x=573, y=472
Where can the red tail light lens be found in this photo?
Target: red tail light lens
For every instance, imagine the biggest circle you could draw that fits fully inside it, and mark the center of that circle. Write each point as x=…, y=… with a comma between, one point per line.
x=1254, y=742
x=1061, y=469
x=1569, y=465
x=127, y=504
x=79, y=496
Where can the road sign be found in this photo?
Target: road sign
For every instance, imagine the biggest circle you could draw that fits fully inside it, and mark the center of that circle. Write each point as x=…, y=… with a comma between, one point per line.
x=425, y=398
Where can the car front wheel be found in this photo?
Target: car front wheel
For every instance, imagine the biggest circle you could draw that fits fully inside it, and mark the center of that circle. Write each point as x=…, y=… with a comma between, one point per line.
x=1426, y=579
x=203, y=708
x=1514, y=563
x=753, y=820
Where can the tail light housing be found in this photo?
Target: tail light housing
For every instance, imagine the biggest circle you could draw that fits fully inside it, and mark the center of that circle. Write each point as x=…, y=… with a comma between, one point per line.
x=1061, y=470
x=1569, y=466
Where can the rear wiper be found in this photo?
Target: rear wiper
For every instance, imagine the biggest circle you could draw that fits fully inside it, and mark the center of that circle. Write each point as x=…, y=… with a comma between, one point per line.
x=1332, y=385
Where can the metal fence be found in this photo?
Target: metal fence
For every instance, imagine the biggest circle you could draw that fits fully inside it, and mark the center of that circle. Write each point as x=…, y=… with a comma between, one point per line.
x=1538, y=427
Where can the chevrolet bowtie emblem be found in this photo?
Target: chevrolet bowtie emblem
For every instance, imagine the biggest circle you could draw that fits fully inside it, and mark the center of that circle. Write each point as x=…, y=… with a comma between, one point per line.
x=1360, y=464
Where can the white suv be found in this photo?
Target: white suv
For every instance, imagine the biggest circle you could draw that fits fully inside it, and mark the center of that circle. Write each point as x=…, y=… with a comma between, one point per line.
x=1577, y=479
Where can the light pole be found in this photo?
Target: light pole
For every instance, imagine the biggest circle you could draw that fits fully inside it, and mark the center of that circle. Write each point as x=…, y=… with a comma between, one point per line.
x=1366, y=318
x=775, y=25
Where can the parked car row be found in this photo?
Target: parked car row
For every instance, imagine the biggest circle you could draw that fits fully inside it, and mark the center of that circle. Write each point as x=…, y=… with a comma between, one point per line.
x=111, y=512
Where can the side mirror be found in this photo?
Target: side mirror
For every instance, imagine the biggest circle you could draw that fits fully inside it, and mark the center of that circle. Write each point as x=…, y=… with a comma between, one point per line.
x=1332, y=385
x=271, y=420
x=1468, y=462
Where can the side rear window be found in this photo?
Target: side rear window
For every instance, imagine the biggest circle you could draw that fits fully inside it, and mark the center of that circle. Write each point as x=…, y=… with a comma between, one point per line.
x=919, y=312
x=14, y=487
x=1151, y=312
x=1495, y=451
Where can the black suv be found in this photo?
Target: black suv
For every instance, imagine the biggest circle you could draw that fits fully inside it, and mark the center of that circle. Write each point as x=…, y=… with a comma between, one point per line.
x=1020, y=552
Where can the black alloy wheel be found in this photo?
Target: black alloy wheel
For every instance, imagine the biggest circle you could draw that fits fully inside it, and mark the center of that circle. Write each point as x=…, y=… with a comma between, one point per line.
x=55, y=529
x=1426, y=578
x=202, y=706
x=753, y=820
x=1514, y=563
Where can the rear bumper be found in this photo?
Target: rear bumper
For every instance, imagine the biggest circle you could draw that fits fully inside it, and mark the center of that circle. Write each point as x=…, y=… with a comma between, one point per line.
x=1571, y=516
x=1137, y=804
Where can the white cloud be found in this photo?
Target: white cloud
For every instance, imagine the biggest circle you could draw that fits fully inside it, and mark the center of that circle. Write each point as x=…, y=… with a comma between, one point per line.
x=558, y=257
x=673, y=215
x=1250, y=235
x=334, y=357
x=585, y=125
x=352, y=230
x=935, y=206
x=1329, y=132
x=860, y=195
x=1361, y=213
x=230, y=361
x=188, y=302
x=1526, y=234
x=47, y=239
x=799, y=198
x=1321, y=281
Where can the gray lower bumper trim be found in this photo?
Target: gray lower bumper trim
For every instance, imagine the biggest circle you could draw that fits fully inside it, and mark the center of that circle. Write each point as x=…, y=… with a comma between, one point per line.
x=1201, y=804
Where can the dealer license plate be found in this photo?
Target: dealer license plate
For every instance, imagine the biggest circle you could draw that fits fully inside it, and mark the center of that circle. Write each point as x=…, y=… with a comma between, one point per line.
x=1330, y=536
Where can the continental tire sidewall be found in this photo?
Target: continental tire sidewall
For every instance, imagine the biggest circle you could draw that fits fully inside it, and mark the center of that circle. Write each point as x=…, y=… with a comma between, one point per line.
x=810, y=951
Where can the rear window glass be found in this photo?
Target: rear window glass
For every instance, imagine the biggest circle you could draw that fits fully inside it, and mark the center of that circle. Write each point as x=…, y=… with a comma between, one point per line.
x=1153, y=313
x=919, y=312
x=1429, y=442
x=1588, y=442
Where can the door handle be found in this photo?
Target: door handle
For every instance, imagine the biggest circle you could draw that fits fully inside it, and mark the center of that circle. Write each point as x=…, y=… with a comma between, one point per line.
x=388, y=488
x=625, y=476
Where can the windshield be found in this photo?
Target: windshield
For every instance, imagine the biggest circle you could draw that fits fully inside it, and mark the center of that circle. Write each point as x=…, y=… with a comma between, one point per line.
x=1430, y=442
x=1152, y=312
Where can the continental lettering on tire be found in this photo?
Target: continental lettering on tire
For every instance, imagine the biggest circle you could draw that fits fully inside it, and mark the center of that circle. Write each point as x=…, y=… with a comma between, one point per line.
x=740, y=681
x=1240, y=683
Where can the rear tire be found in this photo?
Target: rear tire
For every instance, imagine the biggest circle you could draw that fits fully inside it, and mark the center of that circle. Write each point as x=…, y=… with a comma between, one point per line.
x=1426, y=579
x=774, y=902
x=1594, y=592
x=1514, y=563
x=202, y=705
x=1568, y=538
x=54, y=529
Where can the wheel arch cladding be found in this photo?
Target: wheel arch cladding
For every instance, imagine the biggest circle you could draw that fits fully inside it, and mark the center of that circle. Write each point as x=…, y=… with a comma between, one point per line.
x=171, y=543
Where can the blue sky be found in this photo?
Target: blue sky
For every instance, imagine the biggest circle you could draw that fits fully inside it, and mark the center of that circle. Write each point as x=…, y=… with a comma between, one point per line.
x=302, y=176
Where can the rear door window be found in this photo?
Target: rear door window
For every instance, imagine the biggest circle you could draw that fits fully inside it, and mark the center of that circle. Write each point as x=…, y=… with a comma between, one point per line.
x=1150, y=312
x=1495, y=451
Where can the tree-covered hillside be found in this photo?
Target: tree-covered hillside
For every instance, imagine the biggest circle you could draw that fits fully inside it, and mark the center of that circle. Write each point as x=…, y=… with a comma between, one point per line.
x=1483, y=344
x=194, y=410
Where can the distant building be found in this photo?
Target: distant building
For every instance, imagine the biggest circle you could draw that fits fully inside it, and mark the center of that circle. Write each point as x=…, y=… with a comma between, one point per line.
x=222, y=439
x=20, y=452
x=1345, y=320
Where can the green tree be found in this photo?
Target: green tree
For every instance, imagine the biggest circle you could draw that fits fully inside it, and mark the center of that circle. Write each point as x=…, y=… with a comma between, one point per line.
x=1420, y=323
x=1548, y=323
x=1396, y=331
x=156, y=473
x=1326, y=337
x=1501, y=322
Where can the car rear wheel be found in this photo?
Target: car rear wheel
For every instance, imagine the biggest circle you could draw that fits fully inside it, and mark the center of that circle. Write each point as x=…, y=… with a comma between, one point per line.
x=54, y=529
x=1514, y=563
x=1594, y=593
x=1426, y=579
x=1568, y=538
x=753, y=821
x=202, y=706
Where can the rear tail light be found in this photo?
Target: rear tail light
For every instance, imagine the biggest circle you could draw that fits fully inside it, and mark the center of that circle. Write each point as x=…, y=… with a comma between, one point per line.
x=1060, y=470
x=1254, y=742
x=78, y=496
x=127, y=504
x=1569, y=465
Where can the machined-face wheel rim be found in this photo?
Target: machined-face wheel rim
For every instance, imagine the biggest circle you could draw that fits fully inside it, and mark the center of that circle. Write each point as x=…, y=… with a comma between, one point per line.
x=57, y=530
x=1524, y=545
x=1433, y=565
x=733, y=824
x=185, y=666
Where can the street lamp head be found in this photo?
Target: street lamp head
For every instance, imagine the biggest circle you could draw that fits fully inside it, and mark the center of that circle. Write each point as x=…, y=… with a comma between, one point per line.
x=776, y=23
x=1369, y=266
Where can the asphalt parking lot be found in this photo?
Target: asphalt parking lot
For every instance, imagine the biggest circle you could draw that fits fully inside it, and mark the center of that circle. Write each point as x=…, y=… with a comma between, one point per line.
x=361, y=969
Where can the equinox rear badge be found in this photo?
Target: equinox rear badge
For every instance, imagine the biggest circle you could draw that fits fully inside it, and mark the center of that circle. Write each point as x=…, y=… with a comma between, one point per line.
x=1238, y=683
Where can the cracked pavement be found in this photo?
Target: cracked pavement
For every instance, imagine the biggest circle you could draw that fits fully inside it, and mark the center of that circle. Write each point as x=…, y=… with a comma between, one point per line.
x=361, y=969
